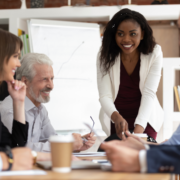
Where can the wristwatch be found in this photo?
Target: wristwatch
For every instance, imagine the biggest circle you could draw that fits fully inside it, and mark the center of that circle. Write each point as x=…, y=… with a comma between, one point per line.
x=9, y=154
x=34, y=154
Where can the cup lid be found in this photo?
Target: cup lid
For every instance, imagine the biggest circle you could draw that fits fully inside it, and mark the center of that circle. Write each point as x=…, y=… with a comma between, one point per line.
x=61, y=138
x=140, y=135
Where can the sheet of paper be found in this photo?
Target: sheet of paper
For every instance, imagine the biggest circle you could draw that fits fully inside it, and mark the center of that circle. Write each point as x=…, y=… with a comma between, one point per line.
x=101, y=161
x=90, y=154
x=22, y=173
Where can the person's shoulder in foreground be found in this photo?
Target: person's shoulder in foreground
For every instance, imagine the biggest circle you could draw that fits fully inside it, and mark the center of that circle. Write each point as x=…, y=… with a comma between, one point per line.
x=163, y=159
x=159, y=159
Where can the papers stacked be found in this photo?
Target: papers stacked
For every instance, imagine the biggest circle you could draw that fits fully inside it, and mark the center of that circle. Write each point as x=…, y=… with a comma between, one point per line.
x=22, y=173
x=90, y=154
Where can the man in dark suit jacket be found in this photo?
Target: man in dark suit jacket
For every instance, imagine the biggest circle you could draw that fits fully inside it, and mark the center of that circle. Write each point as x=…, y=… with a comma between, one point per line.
x=132, y=156
x=163, y=158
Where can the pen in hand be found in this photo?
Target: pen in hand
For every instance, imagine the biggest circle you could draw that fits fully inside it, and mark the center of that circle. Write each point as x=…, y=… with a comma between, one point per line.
x=83, y=138
x=98, y=137
x=93, y=124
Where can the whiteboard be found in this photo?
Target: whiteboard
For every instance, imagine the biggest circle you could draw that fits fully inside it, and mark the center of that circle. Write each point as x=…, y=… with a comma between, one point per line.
x=73, y=48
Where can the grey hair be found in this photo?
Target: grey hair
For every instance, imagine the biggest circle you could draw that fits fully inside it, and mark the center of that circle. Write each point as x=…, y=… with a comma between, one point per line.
x=27, y=65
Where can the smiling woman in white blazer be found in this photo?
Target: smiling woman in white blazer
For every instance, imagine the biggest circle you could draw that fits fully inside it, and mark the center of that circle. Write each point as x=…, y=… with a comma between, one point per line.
x=109, y=71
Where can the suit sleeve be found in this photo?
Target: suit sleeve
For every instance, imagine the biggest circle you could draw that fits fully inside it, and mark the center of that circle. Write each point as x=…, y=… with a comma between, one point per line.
x=175, y=138
x=163, y=159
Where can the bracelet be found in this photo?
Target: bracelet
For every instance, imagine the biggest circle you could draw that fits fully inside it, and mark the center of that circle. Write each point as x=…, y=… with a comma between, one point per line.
x=9, y=154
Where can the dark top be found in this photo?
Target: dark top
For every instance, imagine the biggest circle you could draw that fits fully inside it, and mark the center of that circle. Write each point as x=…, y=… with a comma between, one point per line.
x=129, y=98
x=3, y=91
x=18, y=138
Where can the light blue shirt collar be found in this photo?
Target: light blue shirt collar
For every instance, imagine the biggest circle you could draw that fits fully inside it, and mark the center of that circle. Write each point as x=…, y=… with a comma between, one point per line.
x=30, y=105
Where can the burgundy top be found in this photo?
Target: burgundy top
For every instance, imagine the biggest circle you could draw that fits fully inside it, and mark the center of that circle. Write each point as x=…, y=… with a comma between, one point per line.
x=129, y=98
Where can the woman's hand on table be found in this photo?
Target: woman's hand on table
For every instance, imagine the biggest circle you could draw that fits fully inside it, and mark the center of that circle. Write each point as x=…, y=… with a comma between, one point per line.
x=22, y=159
x=123, y=159
x=121, y=124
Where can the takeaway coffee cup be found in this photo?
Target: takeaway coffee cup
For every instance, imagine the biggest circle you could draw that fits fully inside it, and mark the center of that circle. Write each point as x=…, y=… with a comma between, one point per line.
x=143, y=136
x=61, y=152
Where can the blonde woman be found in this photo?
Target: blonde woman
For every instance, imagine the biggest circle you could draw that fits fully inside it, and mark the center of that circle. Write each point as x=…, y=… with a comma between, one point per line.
x=10, y=47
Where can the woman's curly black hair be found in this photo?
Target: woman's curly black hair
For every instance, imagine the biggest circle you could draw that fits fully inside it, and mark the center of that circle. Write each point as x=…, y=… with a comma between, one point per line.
x=110, y=50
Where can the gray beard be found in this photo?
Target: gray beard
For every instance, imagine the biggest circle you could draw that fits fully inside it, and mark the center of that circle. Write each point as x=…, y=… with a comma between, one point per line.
x=39, y=99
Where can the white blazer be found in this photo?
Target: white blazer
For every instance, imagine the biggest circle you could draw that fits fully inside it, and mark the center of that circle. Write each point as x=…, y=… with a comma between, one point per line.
x=150, y=110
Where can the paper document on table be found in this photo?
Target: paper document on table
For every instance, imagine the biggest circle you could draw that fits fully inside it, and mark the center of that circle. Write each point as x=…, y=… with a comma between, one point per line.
x=101, y=161
x=23, y=173
x=90, y=154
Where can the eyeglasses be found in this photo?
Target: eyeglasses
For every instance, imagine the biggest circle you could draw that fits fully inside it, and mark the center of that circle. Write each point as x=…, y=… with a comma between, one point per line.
x=93, y=124
x=92, y=130
x=84, y=139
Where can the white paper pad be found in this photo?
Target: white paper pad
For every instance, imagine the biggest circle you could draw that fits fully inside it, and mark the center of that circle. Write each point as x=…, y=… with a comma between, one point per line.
x=101, y=161
x=23, y=173
x=90, y=154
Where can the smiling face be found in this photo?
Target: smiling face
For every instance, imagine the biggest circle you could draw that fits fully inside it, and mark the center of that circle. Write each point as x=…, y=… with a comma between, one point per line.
x=128, y=36
x=9, y=67
x=38, y=90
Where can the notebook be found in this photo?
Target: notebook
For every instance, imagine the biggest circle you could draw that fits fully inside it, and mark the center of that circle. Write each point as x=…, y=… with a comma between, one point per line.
x=75, y=165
